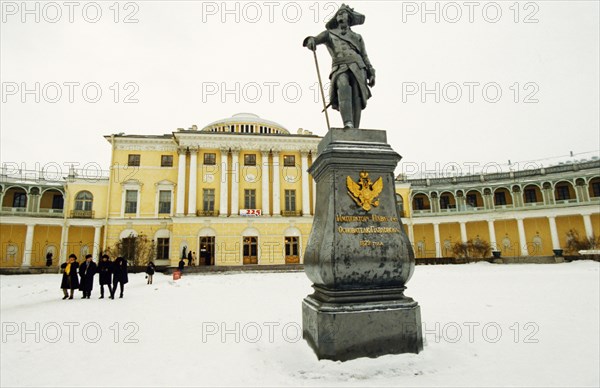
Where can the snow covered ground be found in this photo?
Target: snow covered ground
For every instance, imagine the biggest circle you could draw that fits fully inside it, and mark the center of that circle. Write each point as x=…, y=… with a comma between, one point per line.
x=485, y=325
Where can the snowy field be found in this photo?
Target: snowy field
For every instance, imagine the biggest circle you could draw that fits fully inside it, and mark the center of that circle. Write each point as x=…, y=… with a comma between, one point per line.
x=484, y=325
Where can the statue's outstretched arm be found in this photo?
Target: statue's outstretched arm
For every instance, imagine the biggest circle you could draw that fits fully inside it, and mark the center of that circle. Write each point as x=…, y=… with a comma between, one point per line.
x=312, y=41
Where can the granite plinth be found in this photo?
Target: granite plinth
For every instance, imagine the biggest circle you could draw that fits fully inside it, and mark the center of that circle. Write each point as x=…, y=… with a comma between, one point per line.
x=358, y=255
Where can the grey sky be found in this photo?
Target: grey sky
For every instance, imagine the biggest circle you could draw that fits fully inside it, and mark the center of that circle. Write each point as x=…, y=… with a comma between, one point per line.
x=177, y=53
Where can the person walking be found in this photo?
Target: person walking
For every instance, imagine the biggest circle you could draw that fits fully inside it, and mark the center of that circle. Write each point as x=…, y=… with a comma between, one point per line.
x=87, y=270
x=189, y=258
x=181, y=265
x=105, y=274
x=119, y=276
x=70, y=281
x=150, y=269
x=194, y=258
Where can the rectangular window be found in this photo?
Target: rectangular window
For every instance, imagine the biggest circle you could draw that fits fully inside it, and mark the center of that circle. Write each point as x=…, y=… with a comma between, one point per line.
x=444, y=202
x=131, y=201
x=164, y=202
x=530, y=196
x=290, y=200
x=128, y=248
x=210, y=159
x=19, y=200
x=562, y=193
x=166, y=160
x=208, y=200
x=58, y=201
x=472, y=200
x=596, y=189
x=291, y=246
x=250, y=160
x=162, y=248
x=289, y=161
x=500, y=198
x=133, y=160
x=419, y=205
x=249, y=199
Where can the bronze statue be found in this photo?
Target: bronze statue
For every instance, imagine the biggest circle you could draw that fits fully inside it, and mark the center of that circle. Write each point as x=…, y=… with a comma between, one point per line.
x=351, y=72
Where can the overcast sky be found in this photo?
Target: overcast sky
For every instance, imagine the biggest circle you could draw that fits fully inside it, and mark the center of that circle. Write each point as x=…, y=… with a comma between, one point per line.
x=165, y=65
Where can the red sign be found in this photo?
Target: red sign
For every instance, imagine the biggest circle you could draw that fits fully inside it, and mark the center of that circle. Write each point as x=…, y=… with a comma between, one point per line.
x=176, y=275
x=251, y=212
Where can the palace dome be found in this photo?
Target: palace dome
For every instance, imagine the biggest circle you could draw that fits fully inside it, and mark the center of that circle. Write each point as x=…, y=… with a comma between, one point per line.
x=246, y=123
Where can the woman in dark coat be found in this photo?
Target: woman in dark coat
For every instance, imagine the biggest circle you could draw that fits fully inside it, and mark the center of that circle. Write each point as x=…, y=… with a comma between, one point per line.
x=119, y=276
x=70, y=280
x=105, y=274
x=150, y=269
x=87, y=270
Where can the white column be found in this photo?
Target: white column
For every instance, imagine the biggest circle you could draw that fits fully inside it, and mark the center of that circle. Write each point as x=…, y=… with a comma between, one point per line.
x=305, y=187
x=265, y=183
x=276, y=190
x=314, y=195
x=492, y=232
x=224, y=187
x=28, y=246
x=180, y=184
x=96, y=248
x=463, y=232
x=411, y=233
x=522, y=237
x=193, y=182
x=64, y=242
x=554, y=233
x=235, y=178
x=587, y=223
x=436, y=237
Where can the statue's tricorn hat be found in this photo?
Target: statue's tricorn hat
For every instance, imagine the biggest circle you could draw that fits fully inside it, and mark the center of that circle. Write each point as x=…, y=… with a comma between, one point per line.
x=354, y=18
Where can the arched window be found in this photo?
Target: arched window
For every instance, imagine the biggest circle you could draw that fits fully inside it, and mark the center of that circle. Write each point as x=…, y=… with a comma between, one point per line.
x=400, y=205
x=84, y=200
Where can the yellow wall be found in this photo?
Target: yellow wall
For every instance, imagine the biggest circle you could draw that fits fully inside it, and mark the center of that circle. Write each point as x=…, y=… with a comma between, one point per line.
x=98, y=191
x=508, y=229
x=564, y=224
x=12, y=234
x=44, y=236
x=450, y=232
x=78, y=237
x=149, y=174
x=424, y=234
x=596, y=224
x=538, y=227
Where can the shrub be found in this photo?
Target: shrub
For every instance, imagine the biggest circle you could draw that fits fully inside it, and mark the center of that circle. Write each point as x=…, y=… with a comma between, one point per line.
x=576, y=243
x=472, y=249
x=138, y=250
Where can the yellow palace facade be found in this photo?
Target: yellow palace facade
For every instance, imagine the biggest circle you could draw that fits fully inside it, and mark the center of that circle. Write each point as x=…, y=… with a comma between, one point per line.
x=237, y=192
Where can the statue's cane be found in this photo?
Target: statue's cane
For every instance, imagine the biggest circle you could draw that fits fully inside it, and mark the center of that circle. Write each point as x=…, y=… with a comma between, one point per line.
x=321, y=87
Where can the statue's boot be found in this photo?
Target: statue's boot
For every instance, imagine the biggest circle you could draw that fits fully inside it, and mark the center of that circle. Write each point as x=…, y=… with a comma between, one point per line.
x=346, y=111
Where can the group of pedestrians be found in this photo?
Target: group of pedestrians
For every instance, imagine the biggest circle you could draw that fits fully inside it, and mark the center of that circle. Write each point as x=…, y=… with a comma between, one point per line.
x=110, y=273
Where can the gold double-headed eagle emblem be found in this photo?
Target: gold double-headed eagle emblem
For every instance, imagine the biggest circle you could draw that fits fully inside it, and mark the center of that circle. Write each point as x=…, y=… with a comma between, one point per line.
x=364, y=192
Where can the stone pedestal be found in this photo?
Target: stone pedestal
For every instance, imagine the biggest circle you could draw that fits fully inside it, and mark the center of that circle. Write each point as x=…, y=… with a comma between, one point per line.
x=358, y=255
